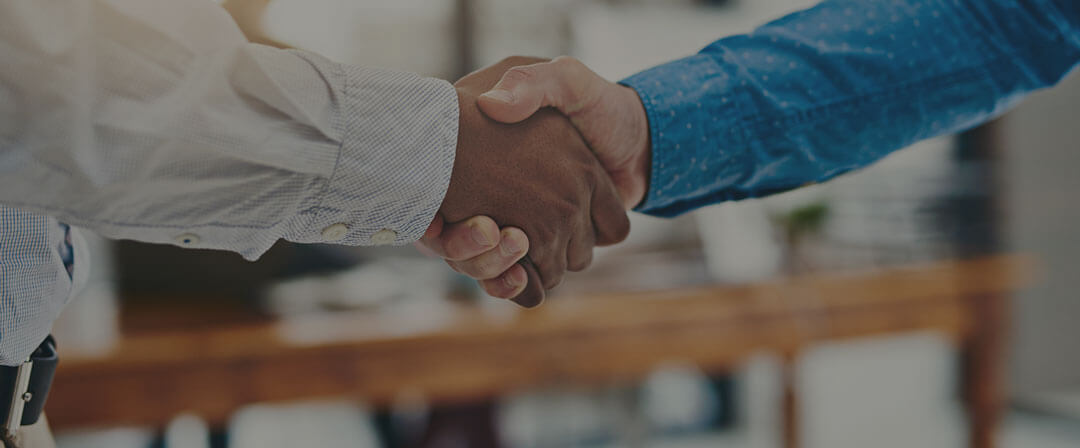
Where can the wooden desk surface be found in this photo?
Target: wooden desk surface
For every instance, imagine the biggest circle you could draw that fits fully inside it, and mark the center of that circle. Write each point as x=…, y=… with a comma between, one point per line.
x=459, y=352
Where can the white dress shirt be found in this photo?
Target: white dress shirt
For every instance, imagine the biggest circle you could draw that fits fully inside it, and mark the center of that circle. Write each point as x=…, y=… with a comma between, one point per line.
x=155, y=120
x=35, y=281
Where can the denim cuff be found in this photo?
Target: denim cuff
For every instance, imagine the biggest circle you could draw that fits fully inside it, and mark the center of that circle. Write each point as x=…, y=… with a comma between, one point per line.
x=693, y=112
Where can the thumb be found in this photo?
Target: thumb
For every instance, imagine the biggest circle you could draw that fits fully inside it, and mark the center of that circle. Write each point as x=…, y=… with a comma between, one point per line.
x=563, y=83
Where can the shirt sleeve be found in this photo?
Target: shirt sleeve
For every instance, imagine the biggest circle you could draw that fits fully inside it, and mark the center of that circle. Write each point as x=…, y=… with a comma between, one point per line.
x=155, y=120
x=834, y=88
x=34, y=283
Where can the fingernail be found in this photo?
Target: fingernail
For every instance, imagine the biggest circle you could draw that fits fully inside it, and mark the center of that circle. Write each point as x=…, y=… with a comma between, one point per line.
x=500, y=95
x=481, y=237
x=510, y=245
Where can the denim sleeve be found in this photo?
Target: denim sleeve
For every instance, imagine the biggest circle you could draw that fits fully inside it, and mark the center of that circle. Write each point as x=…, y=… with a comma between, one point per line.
x=836, y=87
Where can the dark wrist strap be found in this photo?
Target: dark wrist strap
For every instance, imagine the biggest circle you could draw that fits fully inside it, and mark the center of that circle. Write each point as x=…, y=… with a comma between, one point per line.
x=24, y=388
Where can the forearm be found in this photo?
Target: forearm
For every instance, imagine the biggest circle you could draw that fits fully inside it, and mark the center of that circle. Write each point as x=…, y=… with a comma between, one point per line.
x=158, y=121
x=834, y=88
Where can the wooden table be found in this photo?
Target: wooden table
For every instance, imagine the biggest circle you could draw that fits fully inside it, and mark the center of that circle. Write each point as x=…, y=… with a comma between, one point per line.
x=466, y=354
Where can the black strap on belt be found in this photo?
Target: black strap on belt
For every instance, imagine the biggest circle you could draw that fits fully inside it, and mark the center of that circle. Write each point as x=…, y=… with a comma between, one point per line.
x=24, y=388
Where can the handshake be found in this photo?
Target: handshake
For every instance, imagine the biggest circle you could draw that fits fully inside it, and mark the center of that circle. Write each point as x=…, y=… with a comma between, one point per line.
x=549, y=158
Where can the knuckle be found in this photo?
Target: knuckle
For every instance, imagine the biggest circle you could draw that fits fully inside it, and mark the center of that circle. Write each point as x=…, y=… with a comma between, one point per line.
x=480, y=269
x=581, y=263
x=568, y=210
x=451, y=251
x=553, y=281
x=622, y=229
x=517, y=60
x=496, y=288
x=457, y=251
x=485, y=224
x=489, y=269
x=574, y=72
x=540, y=236
x=519, y=74
x=568, y=62
x=552, y=273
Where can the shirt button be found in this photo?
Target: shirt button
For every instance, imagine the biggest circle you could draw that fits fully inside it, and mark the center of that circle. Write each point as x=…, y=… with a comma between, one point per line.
x=187, y=239
x=383, y=237
x=335, y=232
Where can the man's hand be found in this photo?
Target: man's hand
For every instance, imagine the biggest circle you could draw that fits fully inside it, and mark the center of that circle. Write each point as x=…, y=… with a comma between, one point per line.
x=609, y=116
x=478, y=248
x=538, y=176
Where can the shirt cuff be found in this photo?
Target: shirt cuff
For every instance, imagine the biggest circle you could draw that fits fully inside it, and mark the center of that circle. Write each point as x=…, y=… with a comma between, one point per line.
x=399, y=139
x=691, y=135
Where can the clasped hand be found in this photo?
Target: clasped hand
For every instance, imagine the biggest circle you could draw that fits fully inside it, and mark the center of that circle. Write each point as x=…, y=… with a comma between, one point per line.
x=533, y=189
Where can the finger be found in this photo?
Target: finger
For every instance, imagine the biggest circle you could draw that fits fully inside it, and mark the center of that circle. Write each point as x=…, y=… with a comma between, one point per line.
x=563, y=83
x=608, y=215
x=464, y=240
x=547, y=253
x=579, y=253
x=533, y=294
x=507, y=285
x=551, y=268
x=513, y=244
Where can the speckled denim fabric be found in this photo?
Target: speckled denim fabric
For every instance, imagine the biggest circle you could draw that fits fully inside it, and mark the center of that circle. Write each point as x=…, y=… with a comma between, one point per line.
x=836, y=87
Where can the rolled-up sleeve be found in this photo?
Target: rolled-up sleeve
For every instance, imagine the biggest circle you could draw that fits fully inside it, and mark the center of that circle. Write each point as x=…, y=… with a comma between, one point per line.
x=157, y=121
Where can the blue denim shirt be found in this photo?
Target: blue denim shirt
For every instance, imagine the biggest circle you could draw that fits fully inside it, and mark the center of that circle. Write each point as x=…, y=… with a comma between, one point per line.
x=834, y=88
